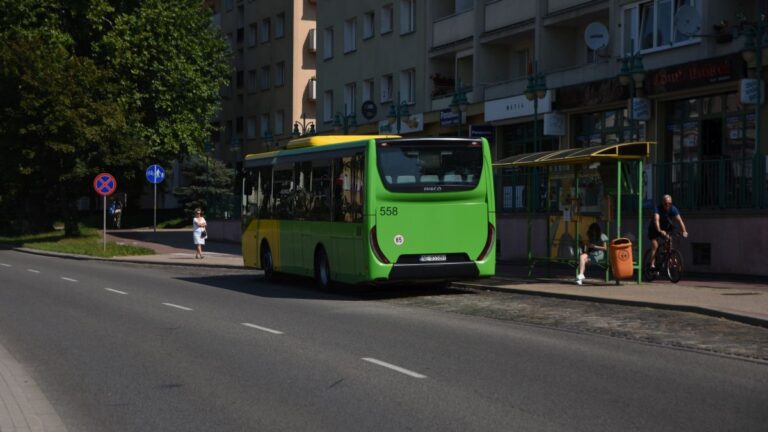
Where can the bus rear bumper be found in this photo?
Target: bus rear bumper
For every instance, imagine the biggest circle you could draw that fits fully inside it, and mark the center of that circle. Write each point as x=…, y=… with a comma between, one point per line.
x=449, y=270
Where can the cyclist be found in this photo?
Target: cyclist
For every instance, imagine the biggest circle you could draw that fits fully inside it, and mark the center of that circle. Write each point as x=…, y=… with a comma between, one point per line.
x=661, y=225
x=116, y=210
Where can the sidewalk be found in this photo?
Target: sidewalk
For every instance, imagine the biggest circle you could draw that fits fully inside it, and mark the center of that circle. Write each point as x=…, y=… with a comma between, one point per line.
x=740, y=300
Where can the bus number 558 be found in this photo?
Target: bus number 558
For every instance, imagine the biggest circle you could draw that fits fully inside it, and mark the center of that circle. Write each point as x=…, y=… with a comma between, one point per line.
x=388, y=211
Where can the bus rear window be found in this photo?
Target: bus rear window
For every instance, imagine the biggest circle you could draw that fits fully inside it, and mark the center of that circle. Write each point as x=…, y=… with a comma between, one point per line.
x=430, y=165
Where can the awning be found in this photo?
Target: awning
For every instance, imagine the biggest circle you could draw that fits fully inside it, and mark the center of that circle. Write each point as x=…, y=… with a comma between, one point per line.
x=577, y=156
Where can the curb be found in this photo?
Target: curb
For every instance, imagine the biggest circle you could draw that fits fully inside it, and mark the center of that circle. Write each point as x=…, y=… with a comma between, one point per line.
x=745, y=319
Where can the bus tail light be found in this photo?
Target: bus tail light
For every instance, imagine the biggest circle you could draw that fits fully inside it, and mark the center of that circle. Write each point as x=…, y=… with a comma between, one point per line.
x=376, y=249
x=488, y=242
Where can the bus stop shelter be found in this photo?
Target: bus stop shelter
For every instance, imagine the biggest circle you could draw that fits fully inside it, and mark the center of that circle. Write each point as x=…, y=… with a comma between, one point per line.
x=614, y=160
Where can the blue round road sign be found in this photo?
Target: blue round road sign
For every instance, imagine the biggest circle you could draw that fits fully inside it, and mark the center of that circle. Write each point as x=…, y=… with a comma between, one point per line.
x=155, y=174
x=105, y=184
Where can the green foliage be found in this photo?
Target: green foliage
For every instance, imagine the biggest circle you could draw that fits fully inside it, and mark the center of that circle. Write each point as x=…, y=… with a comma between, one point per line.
x=210, y=186
x=99, y=85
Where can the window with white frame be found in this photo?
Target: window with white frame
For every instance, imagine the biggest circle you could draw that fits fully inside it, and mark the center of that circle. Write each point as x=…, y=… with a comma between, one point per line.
x=408, y=85
x=350, y=93
x=252, y=34
x=264, y=125
x=367, y=90
x=250, y=130
x=328, y=106
x=265, y=78
x=386, y=88
x=649, y=25
x=387, y=15
x=280, y=26
x=368, y=23
x=350, y=35
x=328, y=43
x=279, y=122
x=407, y=16
x=280, y=74
x=251, y=81
x=266, y=29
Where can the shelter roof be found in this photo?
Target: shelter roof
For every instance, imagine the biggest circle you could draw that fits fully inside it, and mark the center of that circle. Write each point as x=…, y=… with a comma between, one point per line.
x=577, y=156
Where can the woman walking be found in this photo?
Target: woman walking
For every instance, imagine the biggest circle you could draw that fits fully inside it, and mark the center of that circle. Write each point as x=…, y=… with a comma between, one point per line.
x=198, y=232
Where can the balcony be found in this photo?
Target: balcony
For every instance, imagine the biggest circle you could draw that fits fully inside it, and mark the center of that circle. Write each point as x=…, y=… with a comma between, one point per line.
x=312, y=89
x=503, y=13
x=558, y=5
x=312, y=40
x=453, y=28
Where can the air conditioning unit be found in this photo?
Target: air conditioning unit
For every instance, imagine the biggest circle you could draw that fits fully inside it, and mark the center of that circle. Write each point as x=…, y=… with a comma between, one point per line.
x=312, y=90
x=312, y=41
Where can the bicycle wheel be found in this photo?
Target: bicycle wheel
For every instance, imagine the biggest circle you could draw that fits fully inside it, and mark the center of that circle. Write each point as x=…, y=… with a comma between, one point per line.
x=648, y=275
x=674, y=266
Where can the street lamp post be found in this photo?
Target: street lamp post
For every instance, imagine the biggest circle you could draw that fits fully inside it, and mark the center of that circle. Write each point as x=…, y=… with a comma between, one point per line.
x=632, y=74
x=304, y=128
x=345, y=121
x=396, y=112
x=459, y=104
x=536, y=89
x=755, y=42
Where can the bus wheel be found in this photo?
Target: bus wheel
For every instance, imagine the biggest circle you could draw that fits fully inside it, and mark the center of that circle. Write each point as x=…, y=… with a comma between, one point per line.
x=322, y=270
x=267, y=264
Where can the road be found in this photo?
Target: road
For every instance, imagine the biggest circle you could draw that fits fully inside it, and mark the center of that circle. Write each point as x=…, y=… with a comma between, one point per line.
x=125, y=347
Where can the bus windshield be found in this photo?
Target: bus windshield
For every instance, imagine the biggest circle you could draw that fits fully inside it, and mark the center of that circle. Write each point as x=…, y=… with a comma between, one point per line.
x=430, y=165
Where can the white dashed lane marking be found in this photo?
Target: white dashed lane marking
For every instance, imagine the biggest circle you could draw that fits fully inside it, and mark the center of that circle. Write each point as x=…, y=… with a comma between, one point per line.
x=178, y=307
x=33, y=271
x=394, y=367
x=69, y=279
x=265, y=329
x=5, y=265
x=116, y=291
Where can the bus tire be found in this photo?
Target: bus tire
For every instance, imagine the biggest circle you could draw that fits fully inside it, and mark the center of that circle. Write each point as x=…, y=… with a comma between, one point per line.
x=322, y=270
x=267, y=262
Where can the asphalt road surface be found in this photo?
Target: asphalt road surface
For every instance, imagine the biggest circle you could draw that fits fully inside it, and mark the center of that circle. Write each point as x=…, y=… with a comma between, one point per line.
x=123, y=347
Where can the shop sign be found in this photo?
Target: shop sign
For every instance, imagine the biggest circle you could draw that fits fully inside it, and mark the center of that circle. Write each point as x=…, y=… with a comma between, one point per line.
x=695, y=74
x=752, y=91
x=516, y=106
x=591, y=94
x=640, y=109
x=554, y=124
x=481, y=131
x=450, y=118
x=409, y=124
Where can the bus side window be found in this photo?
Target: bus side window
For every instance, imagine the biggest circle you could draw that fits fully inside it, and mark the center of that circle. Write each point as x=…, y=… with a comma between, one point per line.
x=320, y=191
x=358, y=188
x=265, y=192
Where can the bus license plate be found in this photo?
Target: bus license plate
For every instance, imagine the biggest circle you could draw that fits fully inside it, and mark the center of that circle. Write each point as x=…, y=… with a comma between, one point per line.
x=433, y=258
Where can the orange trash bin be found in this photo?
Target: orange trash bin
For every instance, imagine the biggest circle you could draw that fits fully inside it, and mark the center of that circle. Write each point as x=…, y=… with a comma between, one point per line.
x=621, y=258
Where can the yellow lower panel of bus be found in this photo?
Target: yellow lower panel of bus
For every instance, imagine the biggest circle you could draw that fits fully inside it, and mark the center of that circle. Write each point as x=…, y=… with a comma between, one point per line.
x=253, y=236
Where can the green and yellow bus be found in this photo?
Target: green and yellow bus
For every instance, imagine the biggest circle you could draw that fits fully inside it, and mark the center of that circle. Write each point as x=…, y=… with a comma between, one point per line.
x=356, y=209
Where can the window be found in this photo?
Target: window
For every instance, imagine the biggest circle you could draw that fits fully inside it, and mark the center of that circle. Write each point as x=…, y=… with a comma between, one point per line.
x=328, y=106
x=228, y=4
x=408, y=85
x=407, y=17
x=368, y=25
x=251, y=128
x=280, y=26
x=252, y=34
x=279, y=122
x=265, y=77
x=650, y=25
x=386, y=88
x=328, y=43
x=265, y=125
x=239, y=126
x=239, y=79
x=350, y=35
x=350, y=91
x=252, y=81
x=280, y=74
x=265, y=30
x=387, y=12
x=367, y=90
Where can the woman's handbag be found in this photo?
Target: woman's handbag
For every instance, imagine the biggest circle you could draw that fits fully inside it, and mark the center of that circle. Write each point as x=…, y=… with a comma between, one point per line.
x=203, y=234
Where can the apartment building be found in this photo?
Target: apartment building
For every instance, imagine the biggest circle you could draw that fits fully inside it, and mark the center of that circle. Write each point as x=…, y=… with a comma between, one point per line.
x=273, y=84
x=462, y=67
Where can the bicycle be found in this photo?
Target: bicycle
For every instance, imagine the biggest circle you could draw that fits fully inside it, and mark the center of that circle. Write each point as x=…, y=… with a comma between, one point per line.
x=668, y=261
x=116, y=218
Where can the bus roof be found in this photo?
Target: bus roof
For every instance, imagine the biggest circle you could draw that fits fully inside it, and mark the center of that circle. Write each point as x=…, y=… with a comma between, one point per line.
x=317, y=141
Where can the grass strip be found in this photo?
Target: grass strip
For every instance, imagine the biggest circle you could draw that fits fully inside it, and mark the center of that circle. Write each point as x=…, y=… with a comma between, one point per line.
x=88, y=243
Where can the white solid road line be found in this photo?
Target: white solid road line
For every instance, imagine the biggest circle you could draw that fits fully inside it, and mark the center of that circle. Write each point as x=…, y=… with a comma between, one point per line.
x=5, y=265
x=116, y=291
x=268, y=330
x=33, y=271
x=394, y=368
x=178, y=307
x=68, y=279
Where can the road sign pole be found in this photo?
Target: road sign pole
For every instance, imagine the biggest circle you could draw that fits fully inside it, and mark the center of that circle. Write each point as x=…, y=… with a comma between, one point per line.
x=154, y=214
x=104, y=230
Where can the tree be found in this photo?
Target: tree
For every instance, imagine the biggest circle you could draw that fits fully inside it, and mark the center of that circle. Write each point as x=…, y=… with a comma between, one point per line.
x=99, y=85
x=209, y=185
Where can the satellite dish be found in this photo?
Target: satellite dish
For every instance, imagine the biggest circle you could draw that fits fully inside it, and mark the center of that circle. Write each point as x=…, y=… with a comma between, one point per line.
x=596, y=36
x=688, y=21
